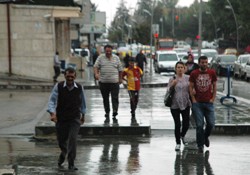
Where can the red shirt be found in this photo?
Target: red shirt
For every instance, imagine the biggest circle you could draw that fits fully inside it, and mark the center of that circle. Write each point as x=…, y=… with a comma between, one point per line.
x=203, y=84
x=133, y=77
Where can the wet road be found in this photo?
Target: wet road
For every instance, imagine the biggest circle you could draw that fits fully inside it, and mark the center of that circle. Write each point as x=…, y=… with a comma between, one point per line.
x=130, y=155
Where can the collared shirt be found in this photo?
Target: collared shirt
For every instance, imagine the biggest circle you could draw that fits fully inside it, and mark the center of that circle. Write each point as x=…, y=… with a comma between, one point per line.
x=54, y=96
x=57, y=62
x=109, y=68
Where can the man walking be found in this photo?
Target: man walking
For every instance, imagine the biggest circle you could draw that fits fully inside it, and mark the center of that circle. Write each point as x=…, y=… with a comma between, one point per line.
x=67, y=108
x=57, y=65
x=203, y=92
x=108, y=70
x=140, y=60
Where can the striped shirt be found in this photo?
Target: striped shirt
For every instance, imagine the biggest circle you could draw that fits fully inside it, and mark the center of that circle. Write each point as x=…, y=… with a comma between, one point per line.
x=133, y=76
x=109, y=68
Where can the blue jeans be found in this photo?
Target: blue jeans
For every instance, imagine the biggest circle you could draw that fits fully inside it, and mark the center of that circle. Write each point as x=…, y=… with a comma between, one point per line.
x=201, y=110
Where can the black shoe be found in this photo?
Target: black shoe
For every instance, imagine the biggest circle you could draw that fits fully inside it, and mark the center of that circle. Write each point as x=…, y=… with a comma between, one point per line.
x=134, y=121
x=61, y=159
x=207, y=143
x=115, y=121
x=106, y=121
x=200, y=149
x=72, y=168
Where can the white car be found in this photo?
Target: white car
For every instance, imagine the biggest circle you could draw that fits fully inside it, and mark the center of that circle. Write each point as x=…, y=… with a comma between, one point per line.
x=247, y=71
x=181, y=55
x=83, y=52
x=239, y=66
x=165, y=61
x=210, y=53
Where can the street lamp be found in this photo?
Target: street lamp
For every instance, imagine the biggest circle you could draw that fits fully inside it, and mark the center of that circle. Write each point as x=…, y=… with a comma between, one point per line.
x=236, y=23
x=161, y=20
x=151, y=25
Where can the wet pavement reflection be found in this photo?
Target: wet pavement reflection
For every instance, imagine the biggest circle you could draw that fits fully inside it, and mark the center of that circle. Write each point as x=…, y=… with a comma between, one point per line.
x=129, y=155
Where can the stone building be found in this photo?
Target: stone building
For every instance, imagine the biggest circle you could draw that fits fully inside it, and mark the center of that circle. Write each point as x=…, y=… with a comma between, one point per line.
x=30, y=35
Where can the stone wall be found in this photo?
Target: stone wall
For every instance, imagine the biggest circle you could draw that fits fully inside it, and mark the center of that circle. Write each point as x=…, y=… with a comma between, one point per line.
x=34, y=40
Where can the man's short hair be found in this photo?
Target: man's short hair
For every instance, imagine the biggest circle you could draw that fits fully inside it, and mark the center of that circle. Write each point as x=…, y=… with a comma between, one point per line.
x=70, y=70
x=202, y=58
x=108, y=46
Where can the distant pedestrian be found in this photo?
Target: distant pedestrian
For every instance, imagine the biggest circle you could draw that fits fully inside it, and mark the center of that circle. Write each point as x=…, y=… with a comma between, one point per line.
x=133, y=74
x=57, y=66
x=108, y=71
x=181, y=103
x=190, y=64
x=126, y=60
x=140, y=60
x=203, y=92
x=67, y=108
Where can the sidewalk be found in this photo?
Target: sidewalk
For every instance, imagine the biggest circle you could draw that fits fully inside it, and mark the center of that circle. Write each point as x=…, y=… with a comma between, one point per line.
x=151, y=112
x=23, y=110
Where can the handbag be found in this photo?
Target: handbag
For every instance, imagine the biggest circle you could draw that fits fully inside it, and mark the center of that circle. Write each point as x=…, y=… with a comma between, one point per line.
x=169, y=97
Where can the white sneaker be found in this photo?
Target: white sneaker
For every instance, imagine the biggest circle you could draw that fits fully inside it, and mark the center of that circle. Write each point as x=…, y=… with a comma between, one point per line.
x=178, y=147
x=184, y=141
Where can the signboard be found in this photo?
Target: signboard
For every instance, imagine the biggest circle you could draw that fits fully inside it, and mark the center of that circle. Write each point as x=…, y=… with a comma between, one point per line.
x=155, y=28
x=97, y=24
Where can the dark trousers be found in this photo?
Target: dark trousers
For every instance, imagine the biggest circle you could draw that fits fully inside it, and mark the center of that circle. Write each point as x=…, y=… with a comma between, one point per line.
x=57, y=72
x=134, y=97
x=185, y=122
x=67, y=132
x=113, y=89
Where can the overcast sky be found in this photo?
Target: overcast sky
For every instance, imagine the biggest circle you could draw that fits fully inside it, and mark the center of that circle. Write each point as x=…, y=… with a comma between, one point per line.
x=109, y=6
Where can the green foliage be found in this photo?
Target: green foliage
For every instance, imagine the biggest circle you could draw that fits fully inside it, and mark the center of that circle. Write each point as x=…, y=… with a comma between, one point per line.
x=217, y=20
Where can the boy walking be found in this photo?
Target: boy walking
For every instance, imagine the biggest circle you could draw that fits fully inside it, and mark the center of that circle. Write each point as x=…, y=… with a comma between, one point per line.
x=132, y=75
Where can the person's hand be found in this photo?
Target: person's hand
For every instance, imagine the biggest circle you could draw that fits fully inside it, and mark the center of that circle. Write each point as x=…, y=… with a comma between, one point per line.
x=120, y=80
x=53, y=117
x=97, y=76
x=82, y=119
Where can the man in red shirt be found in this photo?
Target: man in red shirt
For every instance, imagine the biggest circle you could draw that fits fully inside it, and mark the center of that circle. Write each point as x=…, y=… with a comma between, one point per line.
x=203, y=92
x=133, y=75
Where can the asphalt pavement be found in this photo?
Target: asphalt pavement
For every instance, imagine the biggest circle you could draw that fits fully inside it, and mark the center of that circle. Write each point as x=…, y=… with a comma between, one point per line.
x=22, y=110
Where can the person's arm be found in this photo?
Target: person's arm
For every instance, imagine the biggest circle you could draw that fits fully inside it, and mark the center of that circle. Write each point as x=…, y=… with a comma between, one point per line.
x=83, y=107
x=52, y=103
x=214, y=92
x=191, y=91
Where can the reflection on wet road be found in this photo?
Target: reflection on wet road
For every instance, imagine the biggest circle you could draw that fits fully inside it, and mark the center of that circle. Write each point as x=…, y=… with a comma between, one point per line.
x=129, y=155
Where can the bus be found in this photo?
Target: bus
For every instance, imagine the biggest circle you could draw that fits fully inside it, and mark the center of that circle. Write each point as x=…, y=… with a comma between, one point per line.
x=164, y=44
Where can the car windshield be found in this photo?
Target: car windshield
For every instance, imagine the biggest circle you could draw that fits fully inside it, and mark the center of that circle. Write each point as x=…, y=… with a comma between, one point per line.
x=168, y=57
x=210, y=54
x=228, y=59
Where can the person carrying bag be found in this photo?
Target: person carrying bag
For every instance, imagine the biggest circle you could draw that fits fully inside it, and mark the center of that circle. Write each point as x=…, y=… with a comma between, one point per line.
x=180, y=103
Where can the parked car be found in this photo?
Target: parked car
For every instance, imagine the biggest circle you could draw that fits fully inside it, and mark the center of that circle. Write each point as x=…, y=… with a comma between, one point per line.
x=83, y=52
x=239, y=66
x=221, y=63
x=165, y=61
x=230, y=51
x=210, y=53
x=182, y=44
x=196, y=57
x=247, y=71
x=181, y=55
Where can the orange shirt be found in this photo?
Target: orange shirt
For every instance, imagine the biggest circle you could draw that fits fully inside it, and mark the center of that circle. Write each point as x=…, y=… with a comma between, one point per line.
x=133, y=76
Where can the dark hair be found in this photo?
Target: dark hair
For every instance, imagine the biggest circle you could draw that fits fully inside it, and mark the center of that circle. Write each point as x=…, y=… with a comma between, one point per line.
x=202, y=58
x=132, y=59
x=57, y=53
x=70, y=70
x=179, y=62
x=108, y=46
x=190, y=55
